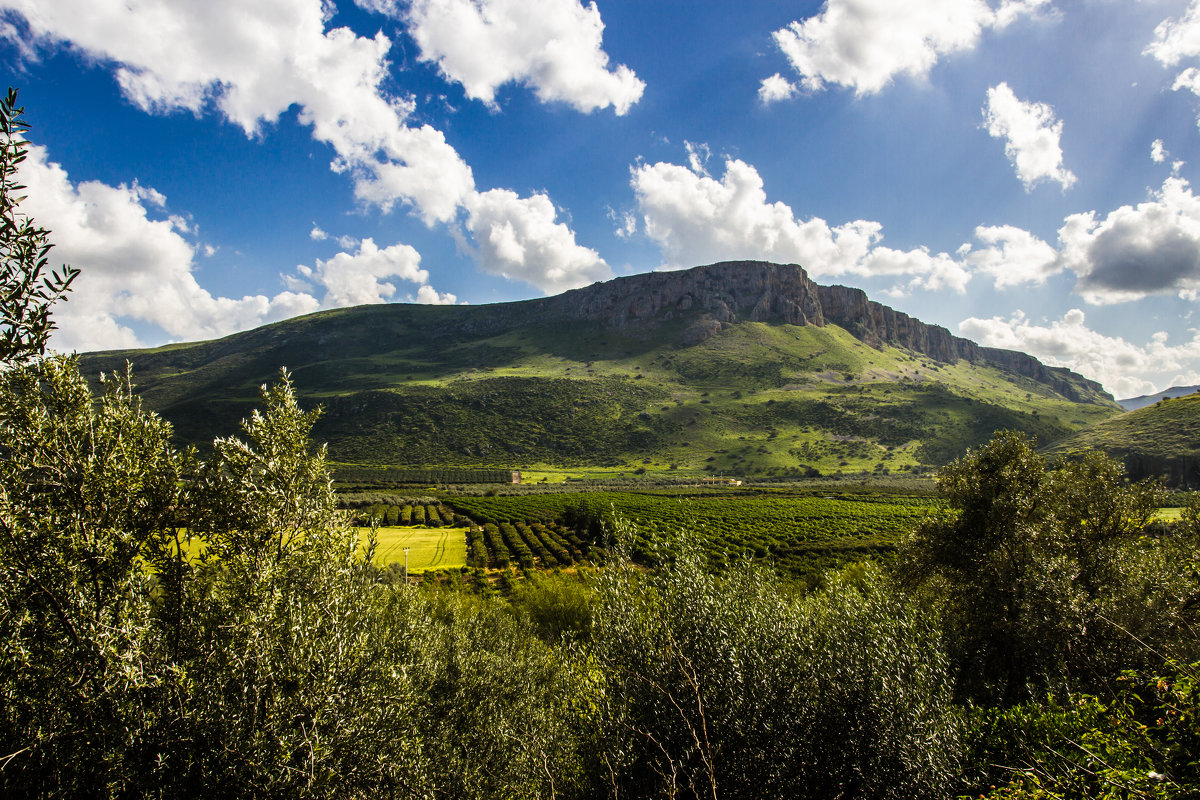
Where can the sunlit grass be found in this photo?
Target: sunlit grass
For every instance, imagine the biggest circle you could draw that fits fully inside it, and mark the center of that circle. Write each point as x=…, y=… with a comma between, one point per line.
x=428, y=548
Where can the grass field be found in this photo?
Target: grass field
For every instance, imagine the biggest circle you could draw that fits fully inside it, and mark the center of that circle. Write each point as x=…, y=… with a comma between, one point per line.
x=429, y=548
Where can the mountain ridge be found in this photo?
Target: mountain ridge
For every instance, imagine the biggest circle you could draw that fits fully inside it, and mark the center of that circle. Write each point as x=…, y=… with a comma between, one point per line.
x=744, y=367
x=784, y=293
x=1141, y=401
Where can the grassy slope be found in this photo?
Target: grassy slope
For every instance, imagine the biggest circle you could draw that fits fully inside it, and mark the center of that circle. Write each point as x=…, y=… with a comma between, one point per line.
x=1162, y=439
x=420, y=385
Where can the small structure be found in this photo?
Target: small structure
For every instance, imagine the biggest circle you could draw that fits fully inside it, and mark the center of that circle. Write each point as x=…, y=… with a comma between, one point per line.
x=516, y=476
x=723, y=479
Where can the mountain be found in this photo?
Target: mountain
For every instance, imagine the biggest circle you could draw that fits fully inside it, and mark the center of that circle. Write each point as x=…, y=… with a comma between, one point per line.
x=737, y=368
x=1134, y=403
x=1156, y=441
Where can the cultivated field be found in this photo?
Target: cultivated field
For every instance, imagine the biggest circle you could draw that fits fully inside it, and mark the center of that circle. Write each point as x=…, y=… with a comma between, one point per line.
x=429, y=548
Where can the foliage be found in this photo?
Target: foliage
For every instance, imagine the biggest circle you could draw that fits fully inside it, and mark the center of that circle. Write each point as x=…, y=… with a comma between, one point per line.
x=276, y=664
x=1143, y=741
x=499, y=384
x=722, y=685
x=26, y=291
x=423, y=476
x=1044, y=579
x=85, y=488
x=1158, y=441
x=801, y=535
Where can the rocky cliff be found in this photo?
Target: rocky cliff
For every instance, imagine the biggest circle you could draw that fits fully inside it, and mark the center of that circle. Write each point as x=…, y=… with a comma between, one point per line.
x=719, y=295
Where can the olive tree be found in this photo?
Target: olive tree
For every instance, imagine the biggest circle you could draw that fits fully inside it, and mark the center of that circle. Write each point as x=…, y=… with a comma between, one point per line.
x=727, y=685
x=26, y=290
x=1045, y=577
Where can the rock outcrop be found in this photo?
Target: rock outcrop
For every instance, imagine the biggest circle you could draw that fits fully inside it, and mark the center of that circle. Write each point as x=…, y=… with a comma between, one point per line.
x=719, y=295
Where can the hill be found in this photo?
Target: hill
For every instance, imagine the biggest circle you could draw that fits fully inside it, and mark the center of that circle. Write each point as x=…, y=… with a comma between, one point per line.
x=1162, y=440
x=1134, y=403
x=740, y=368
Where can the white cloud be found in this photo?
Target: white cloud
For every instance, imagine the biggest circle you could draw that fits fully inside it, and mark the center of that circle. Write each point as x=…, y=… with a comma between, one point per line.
x=518, y=238
x=429, y=296
x=775, y=88
x=1135, y=251
x=1032, y=135
x=1175, y=40
x=864, y=44
x=553, y=46
x=1012, y=256
x=1158, y=151
x=1124, y=368
x=253, y=61
x=698, y=157
x=697, y=219
x=351, y=279
x=134, y=269
x=317, y=235
x=1132, y=252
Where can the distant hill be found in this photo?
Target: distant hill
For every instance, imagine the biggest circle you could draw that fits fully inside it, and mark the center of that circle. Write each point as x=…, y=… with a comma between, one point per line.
x=1134, y=403
x=1162, y=440
x=739, y=368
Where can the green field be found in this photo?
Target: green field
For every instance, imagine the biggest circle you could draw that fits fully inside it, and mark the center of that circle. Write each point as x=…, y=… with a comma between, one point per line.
x=429, y=548
x=799, y=535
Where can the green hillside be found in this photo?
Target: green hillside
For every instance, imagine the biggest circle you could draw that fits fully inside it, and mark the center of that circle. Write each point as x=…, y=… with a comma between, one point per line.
x=1162, y=440
x=513, y=385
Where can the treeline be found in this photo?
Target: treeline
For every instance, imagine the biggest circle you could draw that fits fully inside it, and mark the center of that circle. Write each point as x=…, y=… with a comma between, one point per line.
x=428, y=476
x=418, y=514
x=525, y=545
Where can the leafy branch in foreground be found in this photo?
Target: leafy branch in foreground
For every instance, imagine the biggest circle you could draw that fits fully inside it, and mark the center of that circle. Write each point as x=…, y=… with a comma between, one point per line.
x=26, y=291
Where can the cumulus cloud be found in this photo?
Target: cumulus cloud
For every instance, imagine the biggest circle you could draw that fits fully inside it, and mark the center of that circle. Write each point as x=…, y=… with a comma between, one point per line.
x=429, y=296
x=864, y=44
x=252, y=61
x=552, y=46
x=1123, y=368
x=1011, y=255
x=138, y=271
x=519, y=238
x=1032, y=137
x=1177, y=39
x=351, y=279
x=1134, y=251
x=134, y=268
x=697, y=219
x=775, y=88
x=1158, y=151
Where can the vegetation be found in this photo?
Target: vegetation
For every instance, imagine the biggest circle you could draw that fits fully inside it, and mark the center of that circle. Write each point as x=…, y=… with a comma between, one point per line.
x=368, y=475
x=800, y=536
x=1158, y=441
x=26, y=291
x=1034, y=637
x=478, y=387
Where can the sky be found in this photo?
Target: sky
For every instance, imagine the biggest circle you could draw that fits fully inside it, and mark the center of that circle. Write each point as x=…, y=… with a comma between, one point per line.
x=1018, y=171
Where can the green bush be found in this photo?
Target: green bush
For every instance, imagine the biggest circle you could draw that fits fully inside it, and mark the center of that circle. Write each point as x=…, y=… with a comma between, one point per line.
x=1046, y=579
x=722, y=685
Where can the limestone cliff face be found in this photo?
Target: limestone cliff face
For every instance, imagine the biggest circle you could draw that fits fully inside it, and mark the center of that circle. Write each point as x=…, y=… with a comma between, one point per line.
x=718, y=295
x=752, y=291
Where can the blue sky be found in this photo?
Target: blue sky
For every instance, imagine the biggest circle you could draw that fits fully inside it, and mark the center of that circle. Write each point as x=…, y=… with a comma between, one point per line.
x=1018, y=171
